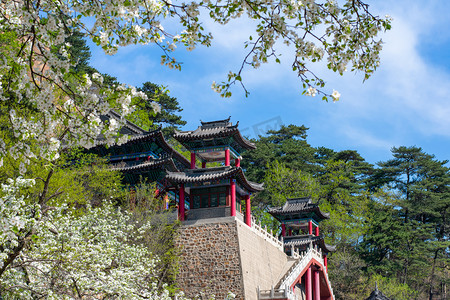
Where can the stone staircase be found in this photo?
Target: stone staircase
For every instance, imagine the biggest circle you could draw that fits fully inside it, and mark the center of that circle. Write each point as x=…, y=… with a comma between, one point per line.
x=282, y=289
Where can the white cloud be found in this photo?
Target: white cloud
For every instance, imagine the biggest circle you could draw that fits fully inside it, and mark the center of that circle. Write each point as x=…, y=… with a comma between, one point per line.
x=419, y=87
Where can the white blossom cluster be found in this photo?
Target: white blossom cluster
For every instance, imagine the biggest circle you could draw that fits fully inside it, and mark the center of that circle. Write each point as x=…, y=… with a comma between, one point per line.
x=17, y=218
x=349, y=38
x=84, y=257
x=50, y=106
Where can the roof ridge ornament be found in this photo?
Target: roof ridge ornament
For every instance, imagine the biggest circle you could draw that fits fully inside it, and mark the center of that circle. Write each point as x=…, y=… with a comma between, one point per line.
x=224, y=122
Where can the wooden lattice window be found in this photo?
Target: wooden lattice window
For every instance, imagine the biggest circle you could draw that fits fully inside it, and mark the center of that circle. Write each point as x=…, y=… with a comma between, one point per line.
x=209, y=197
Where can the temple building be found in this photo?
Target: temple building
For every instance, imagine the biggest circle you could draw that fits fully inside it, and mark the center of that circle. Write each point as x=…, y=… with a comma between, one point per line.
x=216, y=191
x=222, y=248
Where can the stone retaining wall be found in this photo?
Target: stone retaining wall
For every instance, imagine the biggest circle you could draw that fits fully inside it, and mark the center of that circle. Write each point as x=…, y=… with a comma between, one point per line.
x=224, y=255
x=210, y=261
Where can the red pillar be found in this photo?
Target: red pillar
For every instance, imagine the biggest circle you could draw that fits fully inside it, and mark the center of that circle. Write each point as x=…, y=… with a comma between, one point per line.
x=316, y=285
x=237, y=162
x=283, y=229
x=233, y=196
x=181, y=204
x=290, y=232
x=227, y=157
x=317, y=231
x=203, y=164
x=248, y=211
x=308, y=286
x=325, y=262
x=310, y=227
x=192, y=160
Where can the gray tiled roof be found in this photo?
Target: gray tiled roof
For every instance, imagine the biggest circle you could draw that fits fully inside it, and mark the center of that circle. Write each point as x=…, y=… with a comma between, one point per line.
x=202, y=175
x=221, y=128
x=377, y=295
x=297, y=205
x=148, y=136
x=167, y=163
x=306, y=239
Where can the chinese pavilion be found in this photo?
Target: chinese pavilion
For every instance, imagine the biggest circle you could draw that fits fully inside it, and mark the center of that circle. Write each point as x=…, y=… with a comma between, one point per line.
x=300, y=219
x=216, y=191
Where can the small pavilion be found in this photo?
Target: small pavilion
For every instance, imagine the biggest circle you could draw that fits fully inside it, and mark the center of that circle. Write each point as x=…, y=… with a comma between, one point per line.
x=300, y=219
x=215, y=191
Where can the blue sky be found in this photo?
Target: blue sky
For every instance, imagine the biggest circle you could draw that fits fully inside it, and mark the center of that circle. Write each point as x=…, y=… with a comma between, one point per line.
x=405, y=103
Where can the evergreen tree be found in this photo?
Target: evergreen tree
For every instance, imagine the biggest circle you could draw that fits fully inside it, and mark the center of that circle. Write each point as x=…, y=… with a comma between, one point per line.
x=412, y=234
x=288, y=145
x=167, y=117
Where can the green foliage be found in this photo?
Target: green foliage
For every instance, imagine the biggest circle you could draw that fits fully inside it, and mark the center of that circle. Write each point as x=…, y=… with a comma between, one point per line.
x=335, y=180
x=345, y=269
x=406, y=237
x=391, y=287
x=75, y=178
x=266, y=220
x=79, y=53
x=287, y=145
x=159, y=237
x=390, y=223
x=282, y=182
x=167, y=116
x=341, y=196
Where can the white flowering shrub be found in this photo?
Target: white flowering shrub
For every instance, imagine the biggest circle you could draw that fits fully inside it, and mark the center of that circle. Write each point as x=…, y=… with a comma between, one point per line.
x=17, y=219
x=81, y=256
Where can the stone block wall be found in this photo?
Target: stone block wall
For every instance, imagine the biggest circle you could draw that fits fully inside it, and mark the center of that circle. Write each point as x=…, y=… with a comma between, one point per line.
x=224, y=255
x=210, y=262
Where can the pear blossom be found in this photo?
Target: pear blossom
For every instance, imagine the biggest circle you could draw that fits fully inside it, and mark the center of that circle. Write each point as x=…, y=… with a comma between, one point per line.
x=311, y=91
x=335, y=95
x=156, y=107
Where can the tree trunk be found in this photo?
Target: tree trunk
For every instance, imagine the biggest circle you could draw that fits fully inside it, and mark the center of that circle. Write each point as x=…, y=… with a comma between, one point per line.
x=430, y=292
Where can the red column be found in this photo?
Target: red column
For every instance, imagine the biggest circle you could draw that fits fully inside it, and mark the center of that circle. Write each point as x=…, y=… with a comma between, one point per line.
x=317, y=231
x=310, y=227
x=233, y=196
x=283, y=229
x=316, y=285
x=325, y=262
x=248, y=211
x=181, y=204
x=290, y=232
x=192, y=160
x=308, y=286
x=203, y=164
x=237, y=162
x=227, y=157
